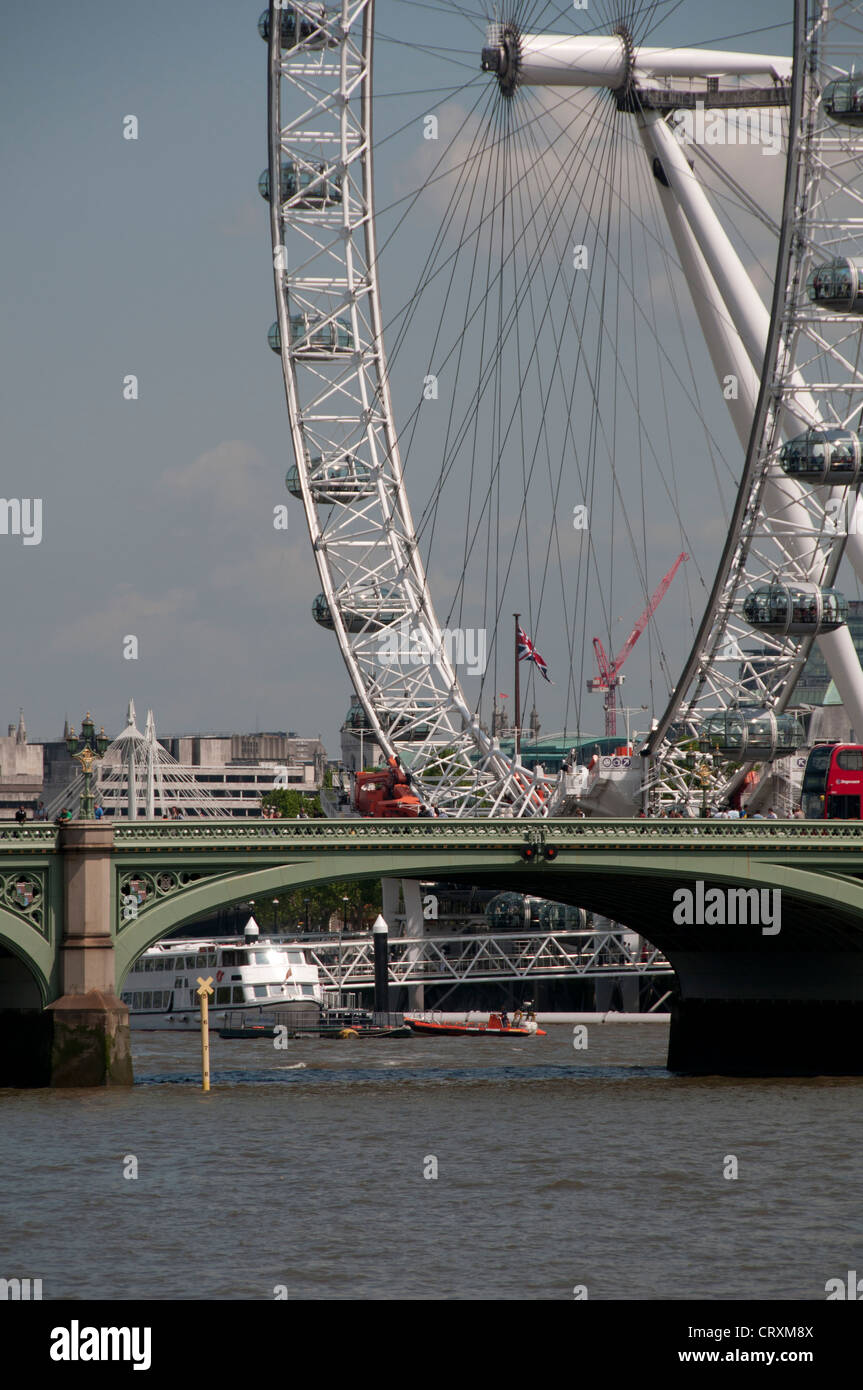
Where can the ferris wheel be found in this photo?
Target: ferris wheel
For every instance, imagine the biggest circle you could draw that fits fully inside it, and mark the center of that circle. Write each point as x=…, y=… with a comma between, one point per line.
x=581, y=188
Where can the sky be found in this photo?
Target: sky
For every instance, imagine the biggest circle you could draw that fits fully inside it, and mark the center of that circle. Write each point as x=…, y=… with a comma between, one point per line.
x=151, y=257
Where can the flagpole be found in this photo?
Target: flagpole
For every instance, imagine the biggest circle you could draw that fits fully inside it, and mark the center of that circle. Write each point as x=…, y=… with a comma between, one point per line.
x=517, y=724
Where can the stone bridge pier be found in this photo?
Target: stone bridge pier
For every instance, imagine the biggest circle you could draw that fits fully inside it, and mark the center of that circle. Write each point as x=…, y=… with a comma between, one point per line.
x=82, y=1037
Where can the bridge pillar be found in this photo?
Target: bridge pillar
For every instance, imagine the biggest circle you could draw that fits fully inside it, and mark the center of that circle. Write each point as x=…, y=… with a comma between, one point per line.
x=766, y=1037
x=90, y=1043
x=767, y=1011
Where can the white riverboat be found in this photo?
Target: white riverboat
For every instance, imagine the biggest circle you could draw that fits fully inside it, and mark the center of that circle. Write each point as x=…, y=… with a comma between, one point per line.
x=250, y=975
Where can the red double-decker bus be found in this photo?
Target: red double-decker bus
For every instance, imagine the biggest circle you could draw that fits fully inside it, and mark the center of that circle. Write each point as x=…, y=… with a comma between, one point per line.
x=833, y=782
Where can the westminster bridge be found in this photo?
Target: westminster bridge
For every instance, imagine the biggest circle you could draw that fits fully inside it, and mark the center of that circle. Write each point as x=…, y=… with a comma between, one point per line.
x=775, y=993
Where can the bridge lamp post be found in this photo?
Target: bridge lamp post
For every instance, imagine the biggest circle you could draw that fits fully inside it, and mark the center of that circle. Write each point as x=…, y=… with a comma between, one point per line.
x=307, y=901
x=87, y=750
x=704, y=772
x=276, y=915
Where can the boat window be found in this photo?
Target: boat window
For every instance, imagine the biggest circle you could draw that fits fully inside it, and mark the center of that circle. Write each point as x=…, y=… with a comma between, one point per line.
x=126, y=998
x=308, y=990
x=190, y=962
x=850, y=760
x=238, y=995
x=223, y=995
x=136, y=1000
x=229, y=957
x=178, y=982
x=260, y=991
x=295, y=958
x=211, y=957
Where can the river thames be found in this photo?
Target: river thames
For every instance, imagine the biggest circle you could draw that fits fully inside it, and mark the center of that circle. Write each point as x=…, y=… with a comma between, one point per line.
x=310, y=1173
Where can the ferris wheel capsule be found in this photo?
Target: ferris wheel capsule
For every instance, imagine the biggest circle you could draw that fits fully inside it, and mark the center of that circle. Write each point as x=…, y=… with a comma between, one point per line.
x=837, y=285
x=823, y=456
x=795, y=609
x=302, y=25
x=842, y=99
x=304, y=186
x=753, y=732
x=345, y=479
x=361, y=610
x=312, y=336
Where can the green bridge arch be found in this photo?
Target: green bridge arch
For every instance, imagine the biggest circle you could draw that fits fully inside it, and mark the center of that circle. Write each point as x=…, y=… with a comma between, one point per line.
x=79, y=928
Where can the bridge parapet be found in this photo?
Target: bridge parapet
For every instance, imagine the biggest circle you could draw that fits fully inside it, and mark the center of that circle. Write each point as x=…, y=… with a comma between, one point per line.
x=736, y=834
x=15, y=838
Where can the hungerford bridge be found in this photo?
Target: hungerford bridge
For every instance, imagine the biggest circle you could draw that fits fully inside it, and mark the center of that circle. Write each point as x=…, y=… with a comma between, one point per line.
x=779, y=993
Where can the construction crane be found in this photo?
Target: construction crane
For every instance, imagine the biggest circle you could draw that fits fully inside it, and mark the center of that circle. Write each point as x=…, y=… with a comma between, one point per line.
x=609, y=677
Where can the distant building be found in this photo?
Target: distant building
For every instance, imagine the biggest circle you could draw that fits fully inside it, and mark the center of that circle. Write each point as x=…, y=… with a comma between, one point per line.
x=239, y=769
x=20, y=771
x=236, y=769
x=360, y=748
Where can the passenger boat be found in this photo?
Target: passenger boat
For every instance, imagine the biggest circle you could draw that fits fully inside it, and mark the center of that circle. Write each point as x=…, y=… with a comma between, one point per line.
x=250, y=975
x=498, y=1026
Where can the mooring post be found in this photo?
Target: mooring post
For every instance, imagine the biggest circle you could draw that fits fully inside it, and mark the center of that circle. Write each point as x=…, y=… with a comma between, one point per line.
x=380, y=936
x=204, y=992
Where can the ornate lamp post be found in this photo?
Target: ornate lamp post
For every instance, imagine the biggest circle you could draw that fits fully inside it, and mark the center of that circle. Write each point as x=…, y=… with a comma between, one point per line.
x=704, y=771
x=88, y=749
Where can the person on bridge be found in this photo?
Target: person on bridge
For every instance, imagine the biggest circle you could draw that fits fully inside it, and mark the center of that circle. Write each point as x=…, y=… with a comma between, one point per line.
x=21, y=814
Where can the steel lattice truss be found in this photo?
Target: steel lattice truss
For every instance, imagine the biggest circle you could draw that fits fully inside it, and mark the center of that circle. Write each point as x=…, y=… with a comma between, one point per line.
x=426, y=960
x=348, y=470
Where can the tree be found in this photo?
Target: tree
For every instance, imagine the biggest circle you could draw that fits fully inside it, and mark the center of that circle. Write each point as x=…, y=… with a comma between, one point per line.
x=326, y=900
x=289, y=803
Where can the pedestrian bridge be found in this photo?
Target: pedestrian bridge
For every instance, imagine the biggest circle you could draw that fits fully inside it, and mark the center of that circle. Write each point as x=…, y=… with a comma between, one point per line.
x=770, y=980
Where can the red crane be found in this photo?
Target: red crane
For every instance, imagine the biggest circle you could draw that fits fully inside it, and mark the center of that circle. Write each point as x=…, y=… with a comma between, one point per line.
x=609, y=678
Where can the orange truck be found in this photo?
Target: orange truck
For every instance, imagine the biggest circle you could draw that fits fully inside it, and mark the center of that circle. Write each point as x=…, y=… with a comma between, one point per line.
x=386, y=795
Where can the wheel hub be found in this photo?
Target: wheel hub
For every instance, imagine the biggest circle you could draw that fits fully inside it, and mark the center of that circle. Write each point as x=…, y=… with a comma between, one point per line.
x=502, y=56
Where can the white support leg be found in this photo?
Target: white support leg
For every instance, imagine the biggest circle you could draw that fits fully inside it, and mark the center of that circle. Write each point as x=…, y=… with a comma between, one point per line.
x=844, y=666
x=721, y=290
x=727, y=353
x=414, y=925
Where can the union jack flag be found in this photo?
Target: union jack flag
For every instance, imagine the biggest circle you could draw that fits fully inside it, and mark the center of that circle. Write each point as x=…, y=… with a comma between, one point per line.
x=527, y=652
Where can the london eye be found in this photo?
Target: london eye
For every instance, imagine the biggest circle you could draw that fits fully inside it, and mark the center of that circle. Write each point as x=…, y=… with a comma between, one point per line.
x=628, y=255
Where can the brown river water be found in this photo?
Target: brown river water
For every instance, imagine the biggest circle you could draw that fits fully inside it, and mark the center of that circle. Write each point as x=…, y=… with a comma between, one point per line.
x=432, y=1168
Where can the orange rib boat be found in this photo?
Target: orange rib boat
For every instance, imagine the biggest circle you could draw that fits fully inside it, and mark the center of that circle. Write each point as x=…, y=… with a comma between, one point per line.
x=498, y=1026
